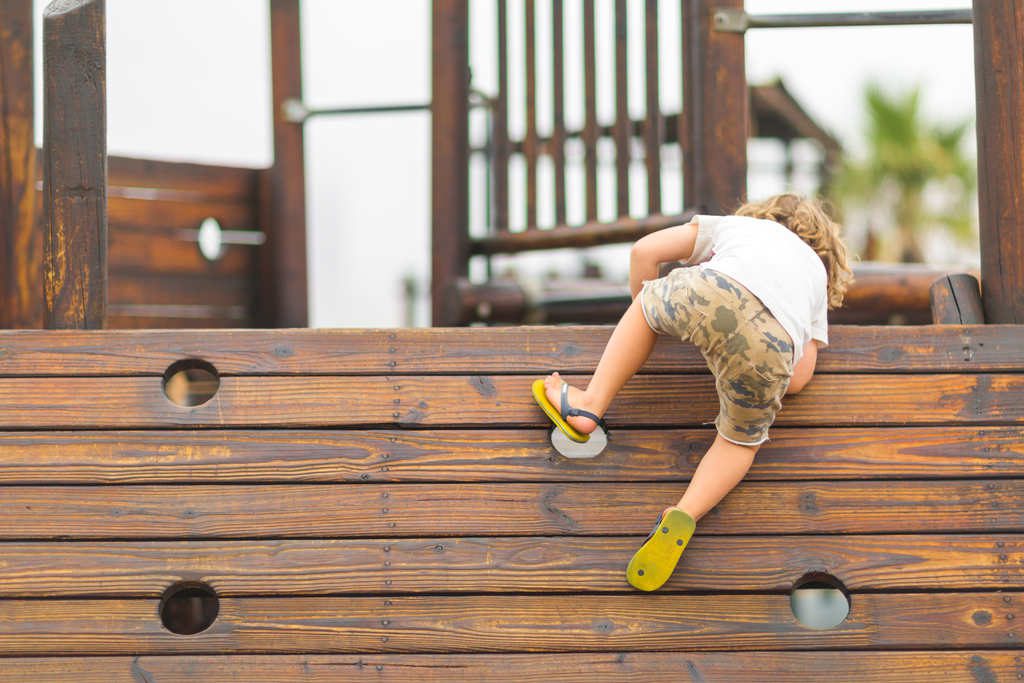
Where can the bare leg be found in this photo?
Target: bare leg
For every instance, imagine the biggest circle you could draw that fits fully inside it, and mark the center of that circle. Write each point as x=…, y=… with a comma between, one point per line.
x=629, y=346
x=718, y=473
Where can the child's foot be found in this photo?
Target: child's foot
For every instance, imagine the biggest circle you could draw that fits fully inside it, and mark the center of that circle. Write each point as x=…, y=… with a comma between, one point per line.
x=577, y=399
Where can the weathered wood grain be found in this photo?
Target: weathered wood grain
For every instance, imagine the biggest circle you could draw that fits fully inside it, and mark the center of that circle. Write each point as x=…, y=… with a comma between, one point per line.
x=395, y=456
x=283, y=291
x=75, y=163
x=501, y=350
x=998, y=71
x=531, y=564
x=956, y=300
x=716, y=111
x=464, y=624
x=656, y=667
x=494, y=401
x=21, y=239
x=578, y=509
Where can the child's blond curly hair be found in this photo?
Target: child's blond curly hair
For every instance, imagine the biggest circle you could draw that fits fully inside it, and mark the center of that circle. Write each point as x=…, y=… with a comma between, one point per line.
x=811, y=223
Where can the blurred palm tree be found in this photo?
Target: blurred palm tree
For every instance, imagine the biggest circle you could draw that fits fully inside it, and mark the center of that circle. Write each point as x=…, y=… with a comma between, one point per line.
x=908, y=157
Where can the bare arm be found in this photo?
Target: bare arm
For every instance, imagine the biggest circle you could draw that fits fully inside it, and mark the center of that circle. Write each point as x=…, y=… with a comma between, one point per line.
x=671, y=244
x=804, y=369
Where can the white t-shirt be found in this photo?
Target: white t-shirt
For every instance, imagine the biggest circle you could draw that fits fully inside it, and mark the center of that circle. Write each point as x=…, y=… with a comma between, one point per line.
x=776, y=265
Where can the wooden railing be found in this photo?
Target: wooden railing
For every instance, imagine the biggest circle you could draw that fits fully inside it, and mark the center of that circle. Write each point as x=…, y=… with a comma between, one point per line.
x=712, y=141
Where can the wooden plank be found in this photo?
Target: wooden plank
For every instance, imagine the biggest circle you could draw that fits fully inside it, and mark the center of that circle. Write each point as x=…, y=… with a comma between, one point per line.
x=75, y=163
x=283, y=296
x=450, y=167
x=870, y=562
x=652, y=120
x=170, y=318
x=716, y=109
x=163, y=254
x=998, y=69
x=956, y=300
x=465, y=624
x=501, y=142
x=958, y=666
x=21, y=238
x=394, y=456
x=590, y=126
x=592, y=233
x=530, y=146
x=183, y=181
x=495, y=401
x=558, y=134
x=503, y=350
x=150, y=216
x=180, y=289
x=416, y=510
x=623, y=139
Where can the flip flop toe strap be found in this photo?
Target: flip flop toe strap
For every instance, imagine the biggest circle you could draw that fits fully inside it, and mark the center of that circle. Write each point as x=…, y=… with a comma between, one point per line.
x=568, y=411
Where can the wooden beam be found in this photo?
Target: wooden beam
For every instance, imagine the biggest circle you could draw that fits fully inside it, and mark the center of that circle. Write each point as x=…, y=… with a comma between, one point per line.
x=956, y=300
x=75, y=163
x=21, y=242
x=999, y=71
x=284, y=273
x=450, y=169
x=716, y=110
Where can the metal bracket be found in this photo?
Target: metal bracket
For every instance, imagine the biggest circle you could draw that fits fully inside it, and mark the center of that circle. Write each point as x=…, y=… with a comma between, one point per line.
x=731, y=21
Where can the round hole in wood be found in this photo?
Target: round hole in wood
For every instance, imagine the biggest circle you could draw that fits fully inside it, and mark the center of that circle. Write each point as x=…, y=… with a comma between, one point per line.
x=190, y=382
x=819, y=600
x=211, y=240
x=188, y=608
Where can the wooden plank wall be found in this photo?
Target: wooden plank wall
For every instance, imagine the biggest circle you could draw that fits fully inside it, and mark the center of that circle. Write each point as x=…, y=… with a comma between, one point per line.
x=157, y=275
x=364, y=501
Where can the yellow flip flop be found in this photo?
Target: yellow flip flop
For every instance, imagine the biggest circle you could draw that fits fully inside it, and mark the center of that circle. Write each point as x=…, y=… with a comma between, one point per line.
x=653, y=564
x=559, y=416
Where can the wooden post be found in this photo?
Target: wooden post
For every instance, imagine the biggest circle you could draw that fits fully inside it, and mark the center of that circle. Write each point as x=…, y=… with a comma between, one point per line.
x=716, y=108
x=450, y=179
x=999, y=72
x=75, y=164
x=283, y=300
x=956, y=300
x=21, y=241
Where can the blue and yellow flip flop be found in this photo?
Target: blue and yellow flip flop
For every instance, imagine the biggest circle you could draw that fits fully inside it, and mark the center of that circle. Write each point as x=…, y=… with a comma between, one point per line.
x=653, y=564
x=559, y=416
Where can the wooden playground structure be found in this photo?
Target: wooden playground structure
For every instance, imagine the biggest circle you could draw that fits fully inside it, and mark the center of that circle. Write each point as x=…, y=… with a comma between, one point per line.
x=313, y=505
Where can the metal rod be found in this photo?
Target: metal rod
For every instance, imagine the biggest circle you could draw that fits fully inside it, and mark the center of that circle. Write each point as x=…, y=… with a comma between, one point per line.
x=297, y=112
x=738, y=21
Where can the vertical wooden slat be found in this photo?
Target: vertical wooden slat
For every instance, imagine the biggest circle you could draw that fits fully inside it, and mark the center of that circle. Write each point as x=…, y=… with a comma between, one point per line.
x=716, y=107
x=283, y=279
x=999, y=72
x=623, y=126
x=590, y=129
x=501, y=146
x=75, y=164
x=21, y=240
x=450, y=164
x=558, y=97
x=531, y=143
x=652, y=122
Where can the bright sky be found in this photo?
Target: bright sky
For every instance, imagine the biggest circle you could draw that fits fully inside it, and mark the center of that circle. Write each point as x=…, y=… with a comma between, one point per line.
x=189, y=80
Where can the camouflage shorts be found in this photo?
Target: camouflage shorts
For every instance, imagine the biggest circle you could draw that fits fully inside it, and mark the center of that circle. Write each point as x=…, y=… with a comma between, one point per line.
x=746, y=348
